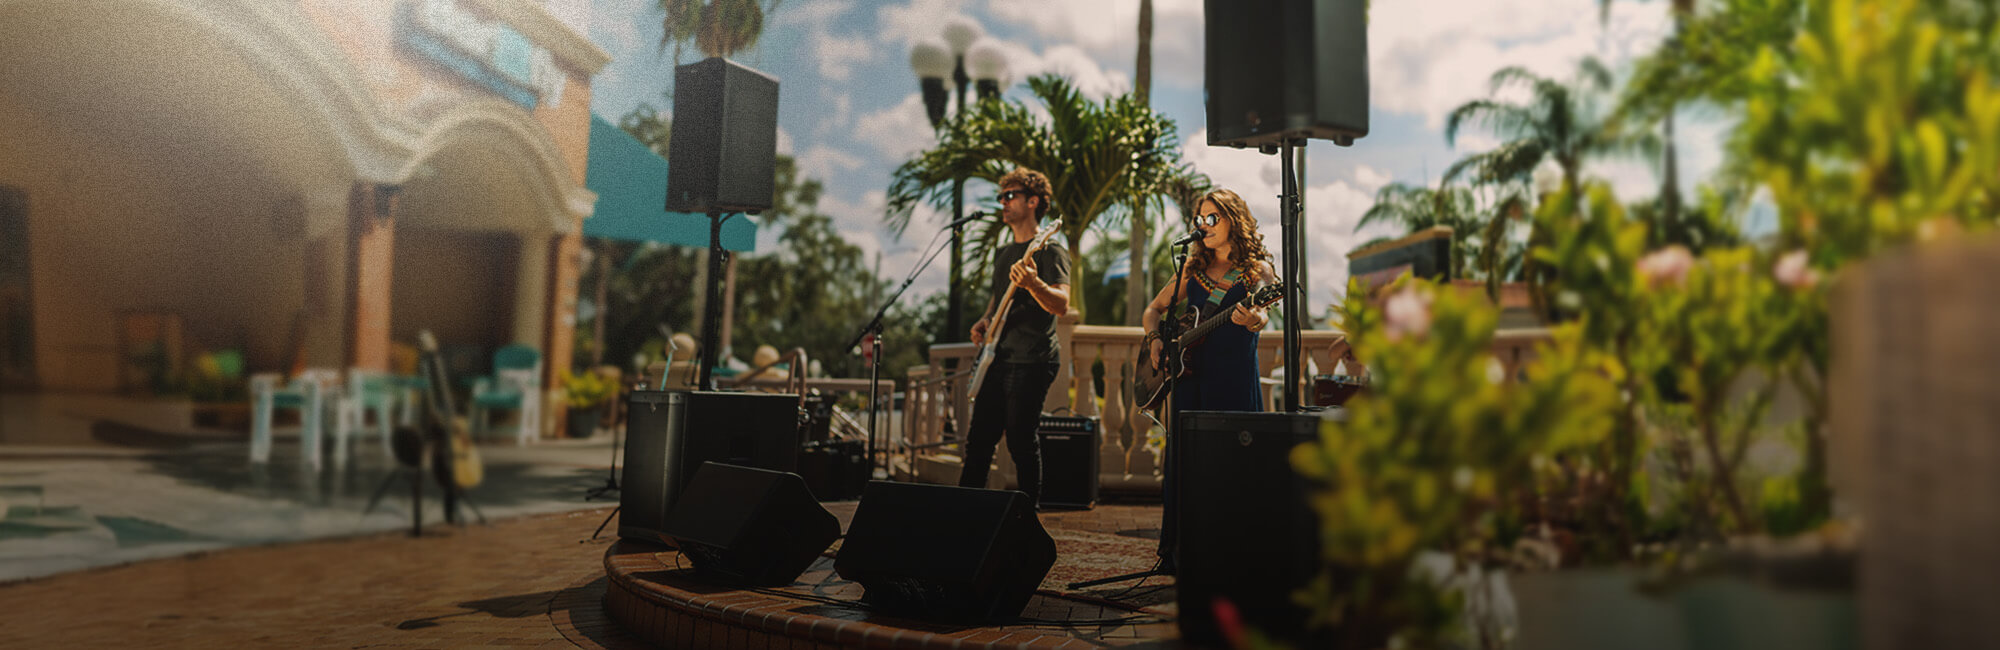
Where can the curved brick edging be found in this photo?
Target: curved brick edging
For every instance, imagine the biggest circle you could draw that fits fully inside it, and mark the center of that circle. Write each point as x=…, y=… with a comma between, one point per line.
x=654, y=600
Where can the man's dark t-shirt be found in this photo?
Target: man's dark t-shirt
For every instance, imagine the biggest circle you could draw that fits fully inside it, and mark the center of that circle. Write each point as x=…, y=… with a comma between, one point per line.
x=1029, y=333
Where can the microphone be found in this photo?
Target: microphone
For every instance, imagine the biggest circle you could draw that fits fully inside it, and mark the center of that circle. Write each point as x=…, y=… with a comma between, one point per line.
x=1191, y=237
x=975, y=216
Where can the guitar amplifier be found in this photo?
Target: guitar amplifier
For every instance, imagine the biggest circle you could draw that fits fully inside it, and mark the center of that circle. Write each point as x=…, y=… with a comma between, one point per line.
x=835, y=470
x=1069, y=461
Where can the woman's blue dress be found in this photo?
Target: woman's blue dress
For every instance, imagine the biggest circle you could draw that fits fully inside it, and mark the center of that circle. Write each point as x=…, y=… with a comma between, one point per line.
x=1224, y=363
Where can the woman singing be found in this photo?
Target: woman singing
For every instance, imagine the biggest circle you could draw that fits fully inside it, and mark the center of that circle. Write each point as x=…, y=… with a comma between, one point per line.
x=1228, y=260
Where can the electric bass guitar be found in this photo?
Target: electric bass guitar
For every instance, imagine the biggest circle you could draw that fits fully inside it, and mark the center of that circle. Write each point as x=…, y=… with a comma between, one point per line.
x=1150, y=385
x=984, y=360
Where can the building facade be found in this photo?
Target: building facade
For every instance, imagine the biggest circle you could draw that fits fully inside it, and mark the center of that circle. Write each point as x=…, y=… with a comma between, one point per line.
x=306, y=181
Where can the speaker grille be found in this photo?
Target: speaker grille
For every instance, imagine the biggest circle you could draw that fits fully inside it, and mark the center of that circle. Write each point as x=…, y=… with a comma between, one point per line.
x=725, y=138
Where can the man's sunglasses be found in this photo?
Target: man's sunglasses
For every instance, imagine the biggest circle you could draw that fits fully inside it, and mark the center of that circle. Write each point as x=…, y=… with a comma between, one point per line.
x=1209, y=219
x=1010, y=195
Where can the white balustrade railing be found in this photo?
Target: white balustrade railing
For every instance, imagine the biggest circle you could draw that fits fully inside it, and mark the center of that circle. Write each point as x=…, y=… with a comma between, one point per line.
x=936, y=408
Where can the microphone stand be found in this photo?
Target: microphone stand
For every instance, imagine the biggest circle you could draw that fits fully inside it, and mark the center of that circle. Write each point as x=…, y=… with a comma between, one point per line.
x=1169, y=332
x=874, y=327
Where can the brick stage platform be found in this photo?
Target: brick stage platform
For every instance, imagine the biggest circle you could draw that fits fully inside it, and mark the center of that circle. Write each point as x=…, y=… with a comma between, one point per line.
x=654, y=595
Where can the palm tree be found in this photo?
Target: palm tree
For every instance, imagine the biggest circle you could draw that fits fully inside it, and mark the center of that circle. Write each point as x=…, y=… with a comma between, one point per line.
x=1142, y=86
x=1415, y=208
x=1101, y=157
x=1556, y=123
x=716, y=27
x=1709, y=57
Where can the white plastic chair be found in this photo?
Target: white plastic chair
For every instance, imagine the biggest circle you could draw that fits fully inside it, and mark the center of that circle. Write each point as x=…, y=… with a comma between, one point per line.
x=309, y=394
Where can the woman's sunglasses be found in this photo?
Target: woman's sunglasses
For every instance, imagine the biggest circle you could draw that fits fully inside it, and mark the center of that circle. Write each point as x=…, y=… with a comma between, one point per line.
x=1209, y=219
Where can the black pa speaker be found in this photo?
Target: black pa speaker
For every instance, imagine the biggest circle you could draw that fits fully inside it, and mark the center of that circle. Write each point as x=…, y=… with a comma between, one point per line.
x=946, y=553
x=669, y=434
x=1286, y=69
x=749, y=525
x=725, y=138
x=1069, y=461
x=1247, y=530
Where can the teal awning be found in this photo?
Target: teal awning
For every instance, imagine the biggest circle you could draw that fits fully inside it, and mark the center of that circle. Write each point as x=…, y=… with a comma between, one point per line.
x=631, y=185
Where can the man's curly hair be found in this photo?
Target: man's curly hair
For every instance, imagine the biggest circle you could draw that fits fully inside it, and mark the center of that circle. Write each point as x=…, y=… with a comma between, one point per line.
x=1033, y=182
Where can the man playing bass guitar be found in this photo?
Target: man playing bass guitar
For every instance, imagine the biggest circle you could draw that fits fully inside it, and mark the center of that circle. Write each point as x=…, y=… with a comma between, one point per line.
x=1024, y=352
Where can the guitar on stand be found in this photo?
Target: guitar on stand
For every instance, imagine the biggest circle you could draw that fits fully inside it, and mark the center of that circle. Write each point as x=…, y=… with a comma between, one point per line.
x=439, y=438
x=1151, y=386
x=983, y=361
x=454, y=459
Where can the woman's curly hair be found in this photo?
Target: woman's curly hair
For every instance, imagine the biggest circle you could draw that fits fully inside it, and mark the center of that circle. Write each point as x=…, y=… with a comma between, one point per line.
x=1246, y=245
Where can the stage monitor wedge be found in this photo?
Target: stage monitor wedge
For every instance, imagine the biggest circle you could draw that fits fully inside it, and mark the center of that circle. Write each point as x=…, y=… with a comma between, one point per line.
x=1282, y=70
x=725, y=138
x=751, y=526
x=946, y=553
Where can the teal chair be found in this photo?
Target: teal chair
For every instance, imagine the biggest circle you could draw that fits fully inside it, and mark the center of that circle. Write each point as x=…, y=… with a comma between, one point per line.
x=367, y=391
x=516, y=385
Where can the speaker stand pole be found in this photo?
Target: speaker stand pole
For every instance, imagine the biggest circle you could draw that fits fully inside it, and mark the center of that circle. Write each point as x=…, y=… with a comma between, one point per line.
x=711, y=328
x=1295, y=256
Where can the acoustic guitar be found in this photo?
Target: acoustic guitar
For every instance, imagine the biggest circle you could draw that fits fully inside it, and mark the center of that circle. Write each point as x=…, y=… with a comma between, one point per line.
x=457, y=459
x=1150, y=385
x=984, y=360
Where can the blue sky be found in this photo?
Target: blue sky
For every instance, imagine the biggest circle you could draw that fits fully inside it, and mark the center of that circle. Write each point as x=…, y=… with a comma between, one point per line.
x=849, y=108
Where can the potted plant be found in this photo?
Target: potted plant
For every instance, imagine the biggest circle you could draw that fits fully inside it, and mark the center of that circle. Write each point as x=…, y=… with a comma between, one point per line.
x=586, y=394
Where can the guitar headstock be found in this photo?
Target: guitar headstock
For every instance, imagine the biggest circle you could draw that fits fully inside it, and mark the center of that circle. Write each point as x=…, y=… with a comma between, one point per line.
x=1268, y=294
x=1042, y=237
x=427, y=341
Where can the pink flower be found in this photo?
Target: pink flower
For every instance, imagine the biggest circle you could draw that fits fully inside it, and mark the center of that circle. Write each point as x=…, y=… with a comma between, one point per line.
x=1408, y=313
x=1667, y=266
x=1230, y=622
x=1794, y=271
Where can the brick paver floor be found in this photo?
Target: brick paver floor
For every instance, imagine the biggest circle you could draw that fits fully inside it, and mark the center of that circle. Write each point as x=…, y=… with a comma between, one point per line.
x=473, y=587
x=523, y=582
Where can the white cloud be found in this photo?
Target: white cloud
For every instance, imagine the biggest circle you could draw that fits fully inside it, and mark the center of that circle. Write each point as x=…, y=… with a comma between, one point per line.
x=838, y=55
x=899, y=131
x=614, y=24
x=810, y=12
x=839, y=114
x=827, y=164
x=1332, y=209
x=905, y=24
x=784, y=142
x=1427, y=57
x=1109, y=31
x=859, y=221
x=1369, y=179
x=1069, y=61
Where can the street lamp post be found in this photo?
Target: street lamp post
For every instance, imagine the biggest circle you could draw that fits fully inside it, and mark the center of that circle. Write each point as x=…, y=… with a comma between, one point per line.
x=934, y=62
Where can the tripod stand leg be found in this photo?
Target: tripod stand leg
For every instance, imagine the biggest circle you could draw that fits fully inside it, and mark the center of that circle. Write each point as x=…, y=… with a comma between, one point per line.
x=1129, y=576
x=387, y=482
x=467, y=502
